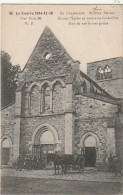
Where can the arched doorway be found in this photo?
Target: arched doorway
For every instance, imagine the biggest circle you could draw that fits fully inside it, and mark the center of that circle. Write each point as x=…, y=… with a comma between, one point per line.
x=90, y=151
x=45, y=143
x=6, y=150
x=90, y=143
x=44, y=140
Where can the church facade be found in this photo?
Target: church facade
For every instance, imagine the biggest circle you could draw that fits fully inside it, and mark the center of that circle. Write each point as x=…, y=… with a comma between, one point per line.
x=60, y=108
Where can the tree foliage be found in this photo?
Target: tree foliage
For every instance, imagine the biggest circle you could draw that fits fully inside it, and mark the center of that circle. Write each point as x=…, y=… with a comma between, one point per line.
x=9, y=78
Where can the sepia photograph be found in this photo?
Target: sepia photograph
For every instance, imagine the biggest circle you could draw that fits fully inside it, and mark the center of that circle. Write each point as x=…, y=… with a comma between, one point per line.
x=61, y=99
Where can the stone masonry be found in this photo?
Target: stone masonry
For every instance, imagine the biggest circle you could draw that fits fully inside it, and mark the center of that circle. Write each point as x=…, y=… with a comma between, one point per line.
x=113, y=84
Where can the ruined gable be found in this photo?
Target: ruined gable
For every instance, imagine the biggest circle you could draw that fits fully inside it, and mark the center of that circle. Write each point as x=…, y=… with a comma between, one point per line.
x=49, y=58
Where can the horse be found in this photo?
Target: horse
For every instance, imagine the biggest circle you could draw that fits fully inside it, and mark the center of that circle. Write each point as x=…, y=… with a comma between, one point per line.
x=58, y=160
x=66, y=160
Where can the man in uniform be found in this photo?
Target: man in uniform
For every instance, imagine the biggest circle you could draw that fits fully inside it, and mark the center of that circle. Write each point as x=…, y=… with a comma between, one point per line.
x=110, y=161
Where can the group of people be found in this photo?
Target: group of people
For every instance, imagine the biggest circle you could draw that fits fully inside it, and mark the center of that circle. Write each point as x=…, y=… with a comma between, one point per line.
x=115, y=164
x=29, y=162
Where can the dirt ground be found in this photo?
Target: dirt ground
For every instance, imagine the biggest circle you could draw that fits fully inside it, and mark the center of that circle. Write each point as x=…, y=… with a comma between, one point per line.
x=20, y=185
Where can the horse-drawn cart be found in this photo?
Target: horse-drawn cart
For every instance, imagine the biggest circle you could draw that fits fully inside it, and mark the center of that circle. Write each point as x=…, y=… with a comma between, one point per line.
x=66, y=160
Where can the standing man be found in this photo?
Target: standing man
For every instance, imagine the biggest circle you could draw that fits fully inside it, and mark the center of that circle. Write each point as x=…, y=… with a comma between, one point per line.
x=110, y=161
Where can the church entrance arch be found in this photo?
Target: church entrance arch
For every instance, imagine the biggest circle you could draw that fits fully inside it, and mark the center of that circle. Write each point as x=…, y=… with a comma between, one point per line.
x=89, y=143
x=44, y=140
x=47, y=142
x=6, y=149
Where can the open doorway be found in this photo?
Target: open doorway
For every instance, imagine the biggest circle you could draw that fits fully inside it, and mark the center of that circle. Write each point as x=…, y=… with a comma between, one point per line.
x=90, y=156
x=90, y=151
x=6, y=151
x=45, y=146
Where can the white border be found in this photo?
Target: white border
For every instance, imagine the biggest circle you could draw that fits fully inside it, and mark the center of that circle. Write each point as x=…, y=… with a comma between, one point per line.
x=62, y=1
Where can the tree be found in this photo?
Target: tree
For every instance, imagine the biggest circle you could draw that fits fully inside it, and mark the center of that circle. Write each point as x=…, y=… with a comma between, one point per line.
x=9, y=78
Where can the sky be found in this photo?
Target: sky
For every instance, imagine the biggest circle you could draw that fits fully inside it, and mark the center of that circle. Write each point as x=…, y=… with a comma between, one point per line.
x=86, y=43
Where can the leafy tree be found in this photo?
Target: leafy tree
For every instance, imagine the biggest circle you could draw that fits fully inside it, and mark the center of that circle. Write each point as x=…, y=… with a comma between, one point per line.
x=9, y=78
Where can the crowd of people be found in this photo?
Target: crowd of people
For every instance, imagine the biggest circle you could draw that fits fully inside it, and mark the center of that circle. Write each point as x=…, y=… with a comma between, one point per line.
x=115, y=164
x=29, y=162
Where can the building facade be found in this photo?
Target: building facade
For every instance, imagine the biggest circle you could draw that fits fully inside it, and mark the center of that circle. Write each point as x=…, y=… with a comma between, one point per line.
x=60, y=108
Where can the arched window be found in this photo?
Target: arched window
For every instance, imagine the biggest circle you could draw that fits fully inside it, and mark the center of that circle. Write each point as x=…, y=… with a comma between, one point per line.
x=58, y=105
x=100, y=73
x=107, y=72
x=35, y=100
x=46, y=98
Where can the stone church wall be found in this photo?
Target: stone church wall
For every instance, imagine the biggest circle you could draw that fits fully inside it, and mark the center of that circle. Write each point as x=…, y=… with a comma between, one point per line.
x=8, y=122
x=93, y=116
x=116, y=65
x=58, y=98
x=33, y=106
x=113, y=87
x=119, y=133
x=28, y=126
x=114, y=84
x=88, y=107
x=40, y=112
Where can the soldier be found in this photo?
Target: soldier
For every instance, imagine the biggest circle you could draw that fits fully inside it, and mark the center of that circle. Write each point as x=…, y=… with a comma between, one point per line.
x=117, y=166
x=30, y=163
x=34, y=162
x=22, y=161
x=27, y=162
x=38, y=162
x=19, y=163
x=110, y=161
